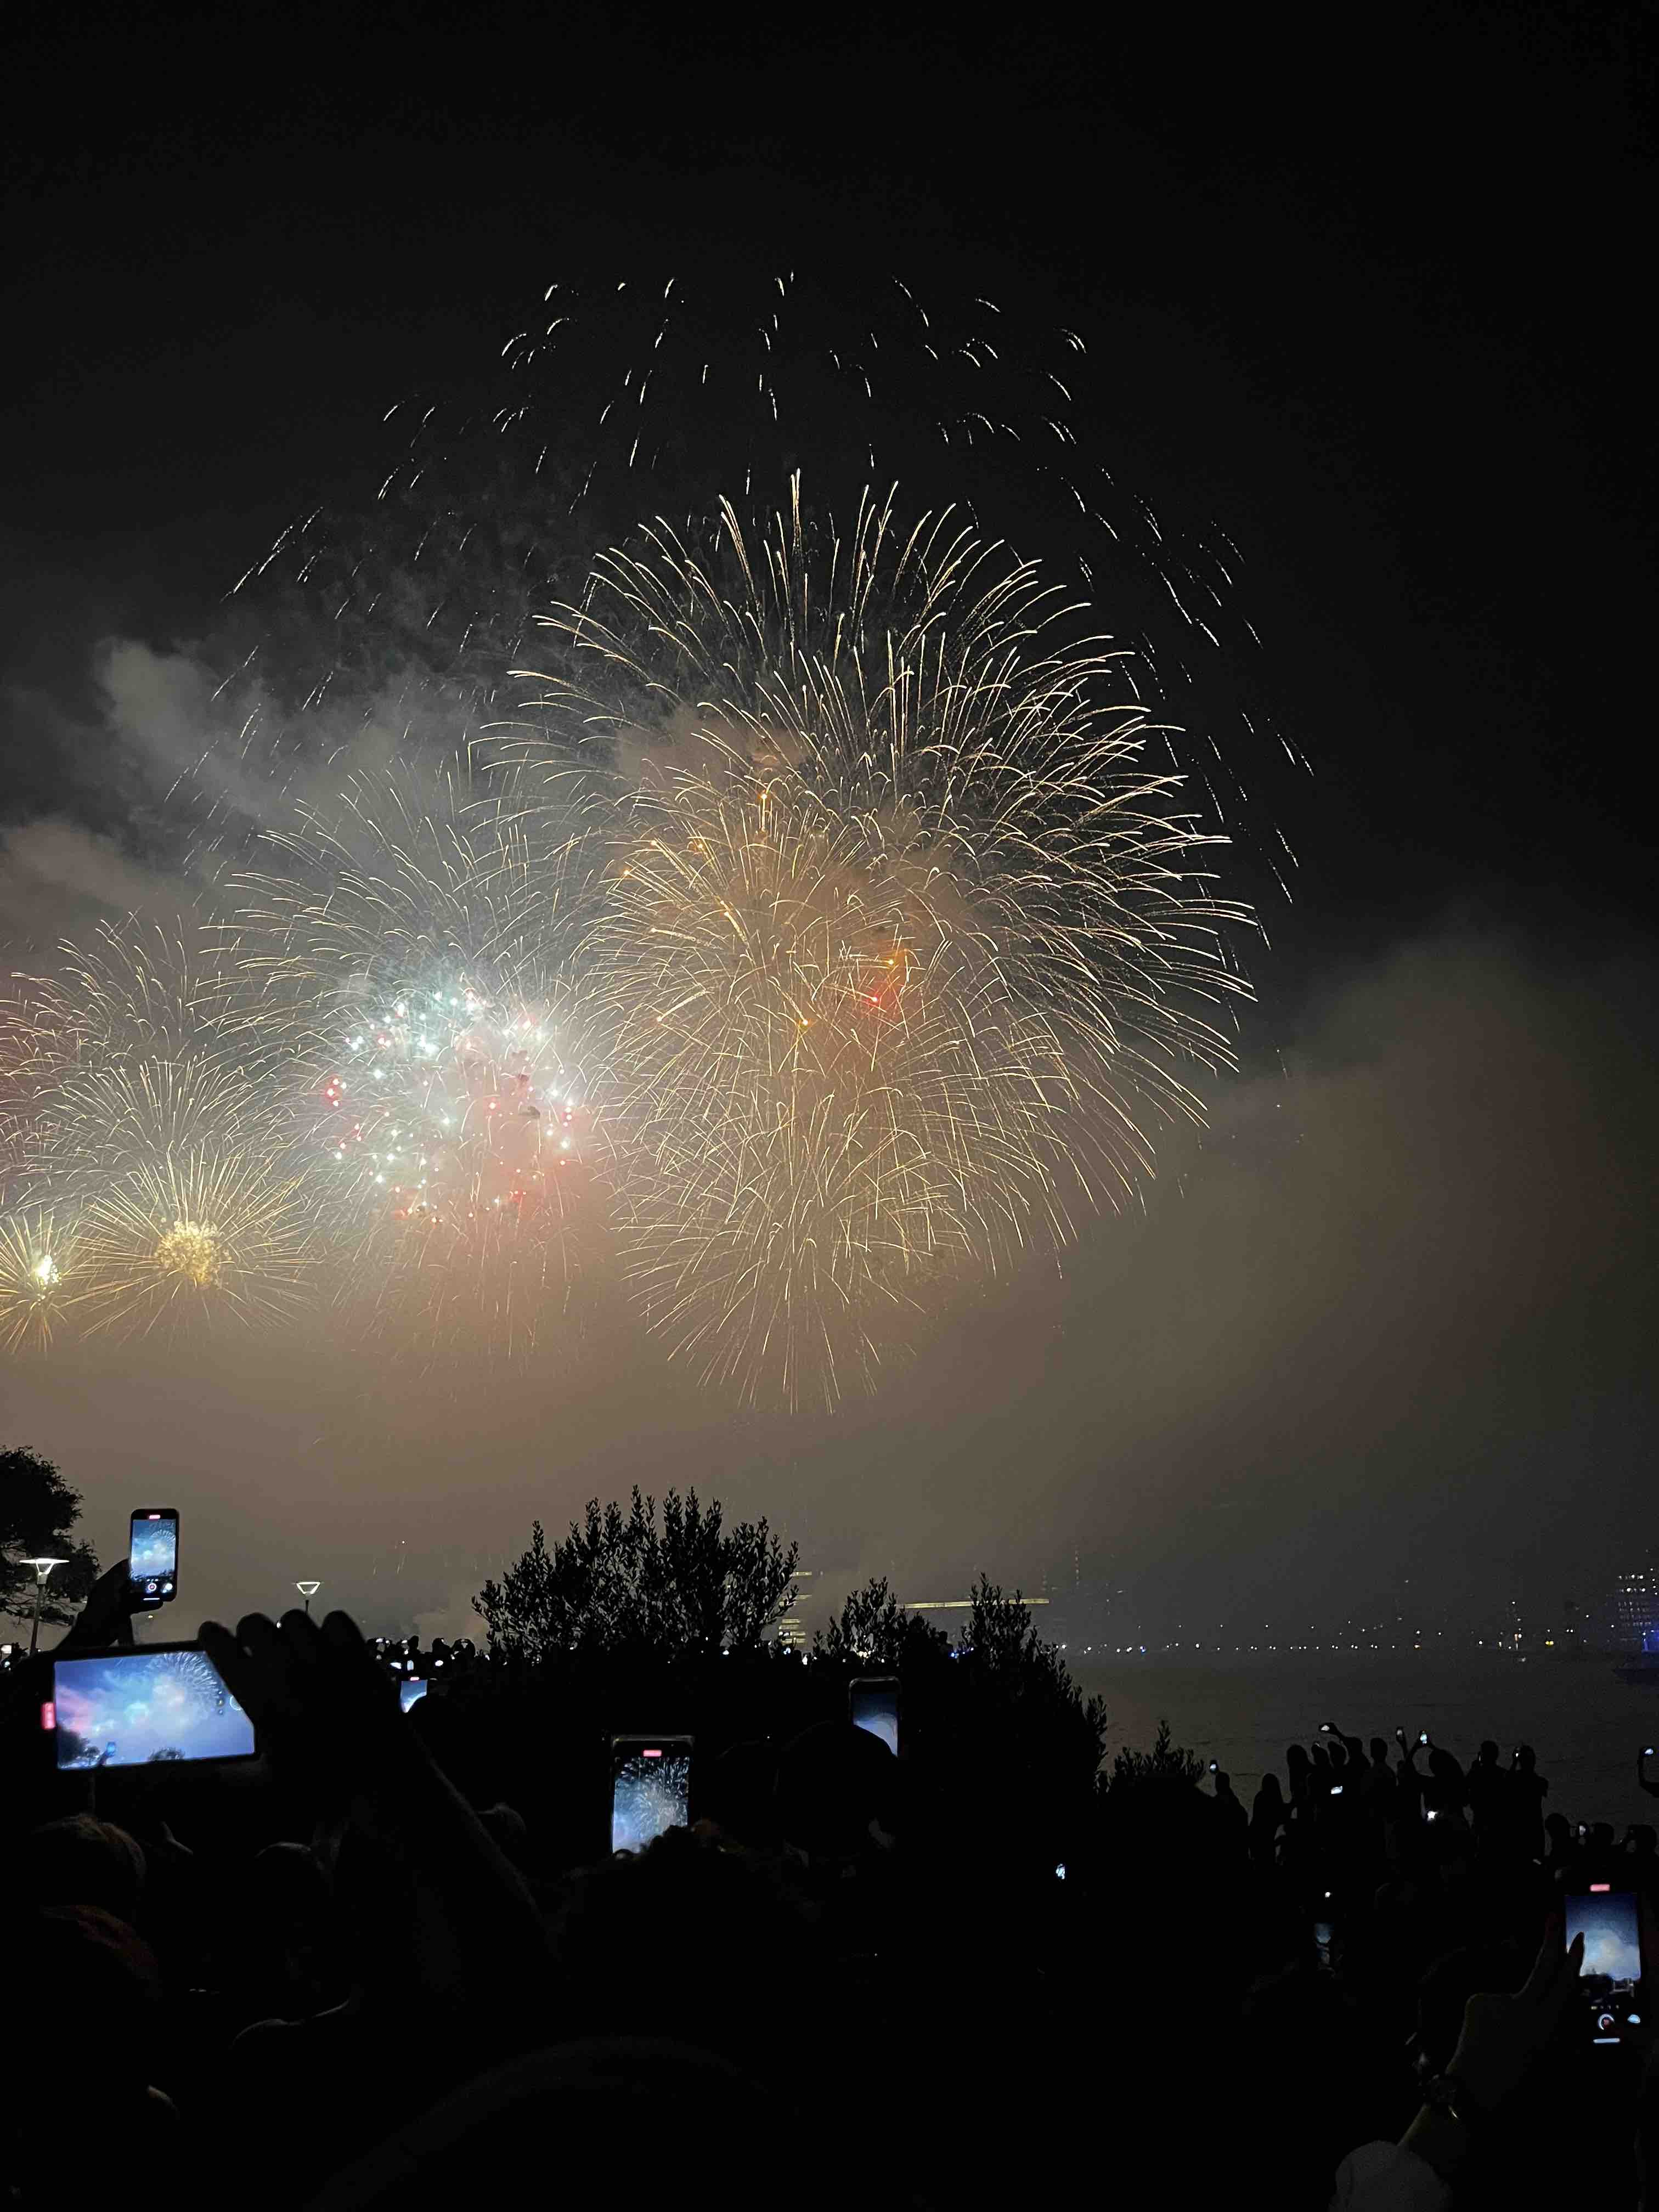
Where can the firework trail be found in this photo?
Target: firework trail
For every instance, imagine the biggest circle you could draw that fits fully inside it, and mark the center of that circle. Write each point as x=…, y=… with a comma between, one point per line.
x=908, y=947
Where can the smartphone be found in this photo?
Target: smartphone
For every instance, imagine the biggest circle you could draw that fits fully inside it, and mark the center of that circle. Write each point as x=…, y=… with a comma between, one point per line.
x=411, y=1694
x=1324, y=1935
x=1327, y=1727
x=1647, y=1751
x=650, y=1788
x=139, y=1708
x=1399, y=1736
x=1215, y=1766
x=1610, y=1978
x=1432, y=1813
x=1337, y=1789
x=152, y=1555
x=1422, y=1736
x=872, y=1705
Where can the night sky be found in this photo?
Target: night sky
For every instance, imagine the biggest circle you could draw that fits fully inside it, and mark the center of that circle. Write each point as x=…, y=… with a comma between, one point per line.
x=1365, y=294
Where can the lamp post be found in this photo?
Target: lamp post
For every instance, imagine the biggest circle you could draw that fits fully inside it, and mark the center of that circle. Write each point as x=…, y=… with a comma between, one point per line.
x=42, y=1569
x=308, y=1591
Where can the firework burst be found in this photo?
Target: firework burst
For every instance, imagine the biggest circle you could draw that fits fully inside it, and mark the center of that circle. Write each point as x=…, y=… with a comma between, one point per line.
x=42, y=1280
x=909, y=946
x=182, y=1198
x=435, y=1076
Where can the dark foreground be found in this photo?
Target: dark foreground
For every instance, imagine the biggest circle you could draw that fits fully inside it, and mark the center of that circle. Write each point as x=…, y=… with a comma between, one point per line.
x=389, y=1964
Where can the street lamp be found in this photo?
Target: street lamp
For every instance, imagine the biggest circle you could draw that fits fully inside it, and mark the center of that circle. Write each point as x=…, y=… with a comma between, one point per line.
x=308, y=1591
x=42, y=1569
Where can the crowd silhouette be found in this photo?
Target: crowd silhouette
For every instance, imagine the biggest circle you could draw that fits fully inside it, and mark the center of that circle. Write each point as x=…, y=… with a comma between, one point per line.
x=390, y=1962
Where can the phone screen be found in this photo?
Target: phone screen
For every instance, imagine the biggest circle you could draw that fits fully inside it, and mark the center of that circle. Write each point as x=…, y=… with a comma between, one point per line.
x=650, y=1789
x=872, y=1705
x=136, y=1708
x=152, y=1555
x=411, y=1694
x=1610, y=1978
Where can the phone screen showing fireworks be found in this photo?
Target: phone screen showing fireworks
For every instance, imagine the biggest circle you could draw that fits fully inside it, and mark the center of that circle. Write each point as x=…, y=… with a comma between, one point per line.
x=1610, y=1978
x=152, y=1555
x=650, y=1789
x=872, y=1705
x=142, y=1708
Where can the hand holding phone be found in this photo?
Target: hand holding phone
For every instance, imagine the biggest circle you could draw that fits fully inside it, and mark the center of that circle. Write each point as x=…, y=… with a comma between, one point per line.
x=1422, y=1738
x=316, y=1693
x=153, y=1556
x=1504, y=2038
x=1607, y=1923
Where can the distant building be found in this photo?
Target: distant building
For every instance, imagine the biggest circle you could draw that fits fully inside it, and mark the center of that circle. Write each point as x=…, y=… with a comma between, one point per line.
x=795, y=1629
x=1636, y=1609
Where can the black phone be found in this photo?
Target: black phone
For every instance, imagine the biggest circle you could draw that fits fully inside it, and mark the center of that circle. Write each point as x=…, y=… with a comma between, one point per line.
x=650, y=1788
x=872, y=1705
x=1611, y=1976
x=130, y=1708
x=153, y=1556
x=1399, y=1736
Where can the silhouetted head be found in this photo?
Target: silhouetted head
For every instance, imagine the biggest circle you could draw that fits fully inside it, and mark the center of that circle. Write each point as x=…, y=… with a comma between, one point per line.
x=627, y=2098
x=1224, y=1784
x=738, y=1791
x=82, y=1861
x=1526, y=1759
x=1488, y=1754
x=1271, y=1790
x=675, y=1941
x=1338, y=1755
x=1558, y=1828
x=1379, y=1751
x=834, y=1780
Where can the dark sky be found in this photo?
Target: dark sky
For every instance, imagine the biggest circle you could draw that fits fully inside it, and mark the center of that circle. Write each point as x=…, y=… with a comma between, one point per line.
x=1366, y=292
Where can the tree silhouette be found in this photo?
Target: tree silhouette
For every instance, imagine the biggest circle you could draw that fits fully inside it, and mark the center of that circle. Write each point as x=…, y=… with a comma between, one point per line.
x=682, y=1588
x=37, y=1511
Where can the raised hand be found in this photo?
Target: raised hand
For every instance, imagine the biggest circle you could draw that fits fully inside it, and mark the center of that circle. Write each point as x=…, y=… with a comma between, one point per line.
x=315, y=1693
x=105, y=1620
x=1503, y=2037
